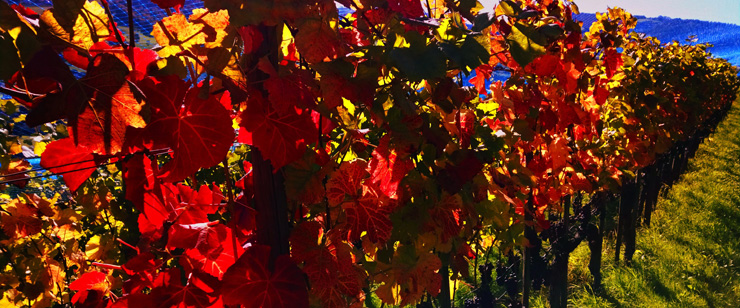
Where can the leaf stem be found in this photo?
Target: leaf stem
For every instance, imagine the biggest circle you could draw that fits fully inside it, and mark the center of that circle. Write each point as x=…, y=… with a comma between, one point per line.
x=107, y=266
x=131, y=33
x=112, y=24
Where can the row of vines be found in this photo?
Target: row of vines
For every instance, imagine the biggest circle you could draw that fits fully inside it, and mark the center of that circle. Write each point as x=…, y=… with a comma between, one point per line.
x=279, y=154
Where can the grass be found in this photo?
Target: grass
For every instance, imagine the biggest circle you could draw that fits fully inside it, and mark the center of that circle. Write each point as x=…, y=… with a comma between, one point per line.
x=689, y=257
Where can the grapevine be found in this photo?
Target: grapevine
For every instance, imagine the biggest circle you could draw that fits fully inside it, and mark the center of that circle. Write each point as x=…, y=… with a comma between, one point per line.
x=279, y=154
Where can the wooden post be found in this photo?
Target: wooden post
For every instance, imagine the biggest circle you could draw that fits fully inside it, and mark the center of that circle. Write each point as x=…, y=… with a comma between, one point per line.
x=444, y=294
x=269, y=189
x=595, y=240
x=626, y=229
x=559, y=278
x=651, y=196
x=630, y=242
x=527, y=252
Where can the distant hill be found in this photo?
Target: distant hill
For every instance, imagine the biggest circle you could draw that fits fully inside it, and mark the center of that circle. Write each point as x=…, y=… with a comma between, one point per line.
x=724, y=37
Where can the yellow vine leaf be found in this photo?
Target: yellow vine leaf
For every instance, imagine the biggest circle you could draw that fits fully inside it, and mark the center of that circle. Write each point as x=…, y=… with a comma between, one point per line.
x=81, y=28
x=175, y=33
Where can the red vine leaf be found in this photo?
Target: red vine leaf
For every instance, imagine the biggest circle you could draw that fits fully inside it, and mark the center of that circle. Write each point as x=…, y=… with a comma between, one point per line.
x=146, y=263
x=204, y=199
x=317, y=41
x=138, y=177
x=196, y=293
x=249, y=282
x=203, y=236
x=294, y=89
x=334, y=278
x=17, y=167
x=346, y=182
x=214, y=252
x=446, y=217
x=76, y=164
x=560, y=152
x=466, y=126
x=368, y=214
x=91, y=287
x=197, y=130
x=282, y=138
x=407, y=8
x=482, y=74
x=387, y=168
x=613, y=62
x=165, y=4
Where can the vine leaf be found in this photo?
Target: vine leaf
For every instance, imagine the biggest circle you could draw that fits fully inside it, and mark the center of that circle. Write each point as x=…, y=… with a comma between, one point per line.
x=46, y=73
x=482, y=74
x=165, y=4
x=317, y=41
x=407, y=8
x=346, y=182
x=75, y=163
x=282, y=138
x=20, y=217
x=180, y=33
x=411, y=275
x=79, y=23
x=613, y=62
x=17, y=166
x=19, y=46
x=387, y=168
x=328, y=265
x=144, y=262
x=446, y=217
x=91, y=287
x=112, y=107
x=560, y=152
x=143, y=58
x=215, y=255
x=525, y=43
x=294, y=89
x=305, y=178
x=369, y=214
x=169, y=290
x=138, y=177
x=205, y=199
x=203, y=236
x=197, y=130
x=249, y=282
x=366, y=209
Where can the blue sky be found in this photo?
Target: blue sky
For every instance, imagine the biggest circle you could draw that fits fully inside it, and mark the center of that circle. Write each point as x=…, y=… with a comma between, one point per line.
x=727, y=11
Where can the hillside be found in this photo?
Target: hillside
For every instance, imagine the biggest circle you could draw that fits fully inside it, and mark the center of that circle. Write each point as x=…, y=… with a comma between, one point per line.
x=724, y=37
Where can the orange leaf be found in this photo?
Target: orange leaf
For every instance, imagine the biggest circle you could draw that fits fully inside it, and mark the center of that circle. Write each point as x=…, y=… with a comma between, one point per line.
x=20, y=218
x=112, y=107
x=560, y=152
